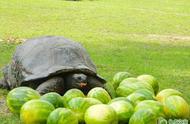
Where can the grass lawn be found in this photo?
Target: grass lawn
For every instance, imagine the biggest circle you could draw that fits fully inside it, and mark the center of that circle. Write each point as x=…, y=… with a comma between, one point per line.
x=139, y=36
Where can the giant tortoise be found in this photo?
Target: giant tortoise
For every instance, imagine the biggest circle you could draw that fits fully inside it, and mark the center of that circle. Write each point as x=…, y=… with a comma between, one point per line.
x=51, y=63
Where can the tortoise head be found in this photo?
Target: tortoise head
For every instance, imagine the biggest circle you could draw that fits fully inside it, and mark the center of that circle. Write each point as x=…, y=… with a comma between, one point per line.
x=80, y=80
x=76, y=80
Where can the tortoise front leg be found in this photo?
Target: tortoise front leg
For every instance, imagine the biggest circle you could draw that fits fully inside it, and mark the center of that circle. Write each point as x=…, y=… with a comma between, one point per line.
x=55, y=84
x=4, y=84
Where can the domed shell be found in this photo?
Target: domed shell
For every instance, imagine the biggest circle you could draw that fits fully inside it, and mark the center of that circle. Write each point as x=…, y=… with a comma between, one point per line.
x=46, y=56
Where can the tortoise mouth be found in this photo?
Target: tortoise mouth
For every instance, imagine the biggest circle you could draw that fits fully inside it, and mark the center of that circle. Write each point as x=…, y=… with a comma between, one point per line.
x=82, y=84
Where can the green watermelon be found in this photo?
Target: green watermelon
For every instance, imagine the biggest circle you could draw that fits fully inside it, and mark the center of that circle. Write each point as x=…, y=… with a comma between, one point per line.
x=176, y=107
x=18, y=96
x=129, y=80
x=62, y=116
x=162, y=95
x=151, y=80
x=125, y=89
x=100, y=94
x=101, y=114
x=146, y=92
x=120, y=99
x=110, y=89
x=162, y=120
x=118, y=77
x=79, y=105
x=155, y=106
x=54, y=98
x=35, y=112
x=123, y=109
x=140, y=95
x=144, y=116
x=70, y=94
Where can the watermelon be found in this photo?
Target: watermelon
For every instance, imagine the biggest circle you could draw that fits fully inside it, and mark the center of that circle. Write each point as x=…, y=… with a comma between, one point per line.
x=151, y=80
x=118, y=77
x=100, y=114
x=144, y=116
x=129, y=80
x=62, y=116
x=20, y=95
x=123, y=109
x=79, y=105
x=110, y=89
x=35, y=112
x=140, y=95
x=125, y=89
x=100, y=94
x=120, y=99
x=145, y=92
x=162, y=120
x=70, y=94
x=54, y=98
x=155, y=106
x=162, y=95
x=176, y=107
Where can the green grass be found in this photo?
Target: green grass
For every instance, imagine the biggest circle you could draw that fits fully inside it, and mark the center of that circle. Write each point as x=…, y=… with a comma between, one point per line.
x=140, y=36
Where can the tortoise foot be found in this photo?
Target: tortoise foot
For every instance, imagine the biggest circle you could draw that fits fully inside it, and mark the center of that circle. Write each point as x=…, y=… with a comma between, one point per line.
x=55, y=84
x=3, y=84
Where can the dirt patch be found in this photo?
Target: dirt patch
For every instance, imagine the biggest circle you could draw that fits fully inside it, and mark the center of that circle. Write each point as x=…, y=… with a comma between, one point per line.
x=12, y=39
x=3, y=110
x=160, y=12
x=173, y=39
x=168, y=37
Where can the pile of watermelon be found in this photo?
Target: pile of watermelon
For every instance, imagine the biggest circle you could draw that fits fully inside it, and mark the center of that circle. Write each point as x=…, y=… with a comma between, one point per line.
x=138, y=101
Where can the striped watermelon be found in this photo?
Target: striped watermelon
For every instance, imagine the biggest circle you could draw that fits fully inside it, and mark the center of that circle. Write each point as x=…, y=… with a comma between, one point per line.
x=144, y=116
x=110, y=89
x=120, y=99
x=118, y=77
x=70, y=94
x=129, y=80
x=151, y=80
x=18, y=96
x=125, y=89
x=155, y=106
x=35, y=112
x=54, y=98
x=162, y=95
x=101, y=114
x=62, y=116
x=123, y=109
x=140, y=95
x=79, y=105
x=176, y=107
x=100, y=94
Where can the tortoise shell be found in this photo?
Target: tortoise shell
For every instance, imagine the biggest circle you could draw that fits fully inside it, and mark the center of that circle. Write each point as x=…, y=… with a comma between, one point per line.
x=46, y=56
